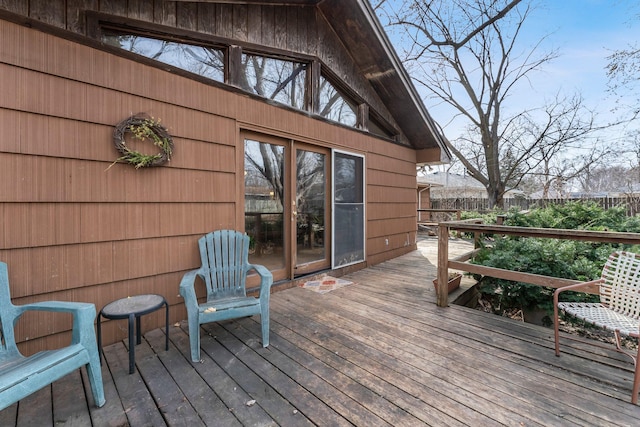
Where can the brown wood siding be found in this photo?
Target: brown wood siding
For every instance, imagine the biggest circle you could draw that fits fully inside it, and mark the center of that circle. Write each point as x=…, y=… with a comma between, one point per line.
x=377, y=194
x=299, y=29
x=391, y=201
x=76, y=229
x=390, y=227
x=384, y=211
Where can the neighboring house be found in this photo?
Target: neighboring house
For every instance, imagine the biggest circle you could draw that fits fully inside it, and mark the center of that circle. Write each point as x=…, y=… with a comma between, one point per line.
x=424, y=198
x=292, y=120
x=446, y=185
x=552, y=193
x=631, y=189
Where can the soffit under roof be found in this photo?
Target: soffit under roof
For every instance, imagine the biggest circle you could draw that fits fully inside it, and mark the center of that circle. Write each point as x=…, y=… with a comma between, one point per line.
x=358, y=27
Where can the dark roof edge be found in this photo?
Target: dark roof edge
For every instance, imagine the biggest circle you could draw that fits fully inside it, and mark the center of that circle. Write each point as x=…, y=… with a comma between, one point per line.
x=404, y=76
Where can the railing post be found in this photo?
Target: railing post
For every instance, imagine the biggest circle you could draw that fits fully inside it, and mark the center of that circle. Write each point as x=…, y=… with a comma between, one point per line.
x=442, y=290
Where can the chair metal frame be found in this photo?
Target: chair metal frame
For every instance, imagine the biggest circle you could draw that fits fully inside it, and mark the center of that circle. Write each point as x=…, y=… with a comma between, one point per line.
x=618, y=309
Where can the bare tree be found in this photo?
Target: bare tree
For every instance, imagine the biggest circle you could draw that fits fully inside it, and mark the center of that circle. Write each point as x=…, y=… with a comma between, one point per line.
x=557, y=175
x=607, y=178
x=465, y=53
x=623, y=71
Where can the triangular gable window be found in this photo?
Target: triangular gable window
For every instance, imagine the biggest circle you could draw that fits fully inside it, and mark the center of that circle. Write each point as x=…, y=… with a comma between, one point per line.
x=334, y=105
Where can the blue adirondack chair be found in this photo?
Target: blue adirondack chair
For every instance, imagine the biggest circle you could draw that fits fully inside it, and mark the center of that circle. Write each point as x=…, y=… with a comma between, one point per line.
x=225, y=263
x=19, y=375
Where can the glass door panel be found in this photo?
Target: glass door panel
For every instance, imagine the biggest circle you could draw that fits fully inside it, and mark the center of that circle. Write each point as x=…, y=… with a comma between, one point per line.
x=348, y=209
x=264, y=192
x=310, y=211
x=287, y=205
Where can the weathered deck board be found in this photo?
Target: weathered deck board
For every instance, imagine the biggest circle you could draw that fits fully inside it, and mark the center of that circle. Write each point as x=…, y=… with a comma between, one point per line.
x=67, y=406
x=136, y=399
x=197, y=393
x=400, y=350
x=379, y=352
x=482, y=374
x=382, y=373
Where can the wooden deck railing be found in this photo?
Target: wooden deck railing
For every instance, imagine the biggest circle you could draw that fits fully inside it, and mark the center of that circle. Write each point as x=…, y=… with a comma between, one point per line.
x=429, y=221
x=472, y=226
x=433, y=222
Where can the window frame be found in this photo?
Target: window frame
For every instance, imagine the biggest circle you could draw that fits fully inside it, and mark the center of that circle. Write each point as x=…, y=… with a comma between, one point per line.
x=97, y=22
x=334, y=253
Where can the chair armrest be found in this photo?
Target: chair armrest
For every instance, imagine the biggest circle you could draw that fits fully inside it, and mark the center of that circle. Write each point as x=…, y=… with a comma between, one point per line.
x=188, y=290
x=84, y=315
x=575, y=287
x=266, y=280
x=60, y=306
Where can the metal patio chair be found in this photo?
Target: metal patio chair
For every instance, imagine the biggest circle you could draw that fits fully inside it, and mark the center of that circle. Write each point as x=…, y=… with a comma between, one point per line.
x=618, y=309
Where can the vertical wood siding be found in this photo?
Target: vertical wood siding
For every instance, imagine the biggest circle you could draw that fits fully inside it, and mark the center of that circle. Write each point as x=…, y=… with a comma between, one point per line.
x=76, y=228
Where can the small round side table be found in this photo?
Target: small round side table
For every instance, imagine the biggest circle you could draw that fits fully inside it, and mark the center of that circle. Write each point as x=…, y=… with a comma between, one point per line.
x=133, y=308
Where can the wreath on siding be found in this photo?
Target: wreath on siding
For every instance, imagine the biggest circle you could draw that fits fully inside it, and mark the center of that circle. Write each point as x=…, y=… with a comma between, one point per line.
x=142, y=127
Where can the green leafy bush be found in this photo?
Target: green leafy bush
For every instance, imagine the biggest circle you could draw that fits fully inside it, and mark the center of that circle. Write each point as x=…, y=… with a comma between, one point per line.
x=486, y=218
x=568, y=259
x=576, y=216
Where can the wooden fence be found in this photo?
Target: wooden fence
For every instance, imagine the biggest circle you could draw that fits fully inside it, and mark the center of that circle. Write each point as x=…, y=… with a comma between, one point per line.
x=478, y=204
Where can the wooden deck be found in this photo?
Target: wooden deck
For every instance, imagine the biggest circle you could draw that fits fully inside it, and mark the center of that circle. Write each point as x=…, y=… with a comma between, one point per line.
x=376, y=353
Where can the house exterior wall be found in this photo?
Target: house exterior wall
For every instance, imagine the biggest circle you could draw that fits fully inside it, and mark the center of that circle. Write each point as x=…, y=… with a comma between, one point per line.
x=296, y=29
x=77, y=228
x=424, y=202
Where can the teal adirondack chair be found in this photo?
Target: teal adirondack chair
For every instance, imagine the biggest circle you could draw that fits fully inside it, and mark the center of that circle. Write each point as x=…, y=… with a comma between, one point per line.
x=19, y=375
x=225, y=263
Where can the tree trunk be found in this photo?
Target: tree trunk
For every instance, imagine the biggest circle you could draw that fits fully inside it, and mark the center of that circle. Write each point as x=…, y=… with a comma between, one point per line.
x=496, y=197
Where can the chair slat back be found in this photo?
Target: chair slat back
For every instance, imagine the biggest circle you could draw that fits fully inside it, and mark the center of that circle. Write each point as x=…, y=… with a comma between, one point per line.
x=225, y=259
x=620, y=290
x=7, y=314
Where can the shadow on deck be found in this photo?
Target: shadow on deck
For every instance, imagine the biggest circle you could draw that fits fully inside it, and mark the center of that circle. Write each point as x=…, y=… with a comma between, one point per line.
x=378, y=352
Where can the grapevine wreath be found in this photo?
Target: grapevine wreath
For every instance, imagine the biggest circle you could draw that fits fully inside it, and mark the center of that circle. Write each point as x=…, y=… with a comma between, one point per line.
x=143, y=127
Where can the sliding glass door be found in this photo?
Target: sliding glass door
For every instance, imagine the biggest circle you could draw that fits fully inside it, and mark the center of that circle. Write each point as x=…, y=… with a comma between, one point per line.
x=303, y=206
x=265, y=207
x=311, y=209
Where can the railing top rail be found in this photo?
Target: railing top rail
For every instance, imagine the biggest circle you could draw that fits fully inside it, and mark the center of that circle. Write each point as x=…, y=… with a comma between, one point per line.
x=439, y=210
x=553, y=233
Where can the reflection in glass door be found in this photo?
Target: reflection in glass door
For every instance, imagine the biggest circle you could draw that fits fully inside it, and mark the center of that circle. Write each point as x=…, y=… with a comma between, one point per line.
x=286, y=205
x=310, y=211
x=264, y=193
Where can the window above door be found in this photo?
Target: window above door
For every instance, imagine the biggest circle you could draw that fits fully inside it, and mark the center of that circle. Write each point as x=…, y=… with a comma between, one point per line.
x=298, y=81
